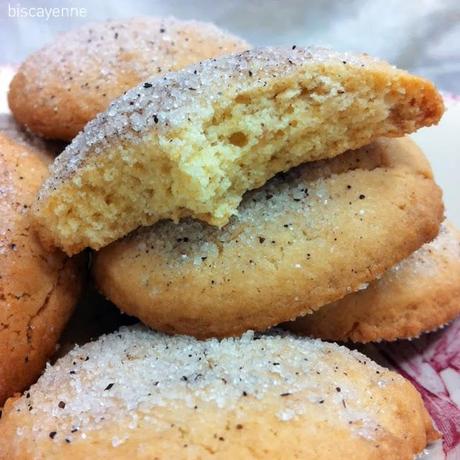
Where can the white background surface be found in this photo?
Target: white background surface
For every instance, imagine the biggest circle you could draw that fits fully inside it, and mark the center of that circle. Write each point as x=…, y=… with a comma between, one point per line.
x=442, y=146
x=420, y=35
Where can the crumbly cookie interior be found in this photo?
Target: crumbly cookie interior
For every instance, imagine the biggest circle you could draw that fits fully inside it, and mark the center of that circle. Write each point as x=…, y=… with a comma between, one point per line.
x=203, y=168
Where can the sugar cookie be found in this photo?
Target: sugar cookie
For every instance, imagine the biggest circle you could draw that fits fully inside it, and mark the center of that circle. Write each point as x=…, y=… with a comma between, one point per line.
x=61, y=87
x=191, y=143
x=420, y=294
x=38, y=288
x=303, y=240
x=140, y=395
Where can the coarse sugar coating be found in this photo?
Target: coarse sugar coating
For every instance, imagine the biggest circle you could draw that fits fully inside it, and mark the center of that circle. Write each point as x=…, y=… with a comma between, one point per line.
x=305, y=239
x=420, y=294
x=193, y=142
x=142, y=395
x=62, y=86
x=38, y=287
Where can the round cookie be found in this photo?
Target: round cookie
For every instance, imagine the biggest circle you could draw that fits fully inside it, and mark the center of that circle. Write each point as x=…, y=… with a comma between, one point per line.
x=420, y=294
x=38, y=288
x=307, y=238
x=142, y=395
x=59, y=88
x=193, y=142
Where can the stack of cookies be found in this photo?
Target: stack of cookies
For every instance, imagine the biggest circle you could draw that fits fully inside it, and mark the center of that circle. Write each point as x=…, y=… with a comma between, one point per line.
x=221, y=191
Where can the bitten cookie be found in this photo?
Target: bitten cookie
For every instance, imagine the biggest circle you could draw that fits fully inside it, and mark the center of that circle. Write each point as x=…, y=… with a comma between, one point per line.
x=59, y=88
x=192, y=142
x=420, y=294
x=38, y=288
x=141, y=395
x=303, y=240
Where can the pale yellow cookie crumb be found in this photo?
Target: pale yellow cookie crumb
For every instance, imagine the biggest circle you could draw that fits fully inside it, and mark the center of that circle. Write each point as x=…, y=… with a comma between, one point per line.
x=191, y=143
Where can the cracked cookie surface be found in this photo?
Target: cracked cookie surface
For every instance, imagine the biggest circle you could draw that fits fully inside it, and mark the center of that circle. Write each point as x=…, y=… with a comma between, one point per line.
x=38, y=287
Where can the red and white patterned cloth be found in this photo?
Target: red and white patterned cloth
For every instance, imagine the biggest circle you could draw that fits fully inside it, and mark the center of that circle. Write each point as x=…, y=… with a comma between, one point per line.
x=432, y=364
